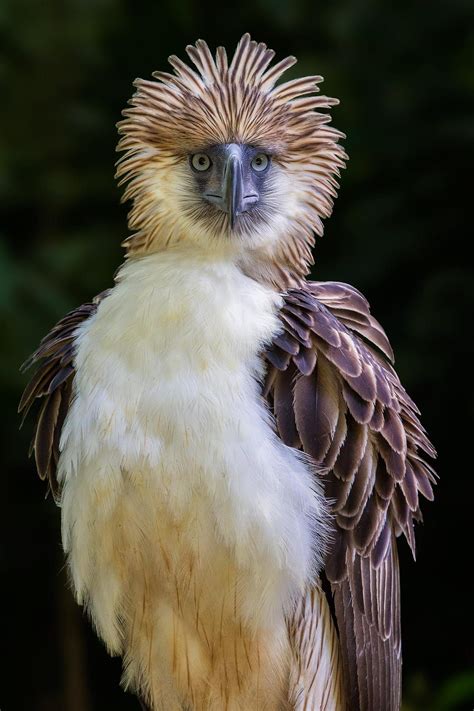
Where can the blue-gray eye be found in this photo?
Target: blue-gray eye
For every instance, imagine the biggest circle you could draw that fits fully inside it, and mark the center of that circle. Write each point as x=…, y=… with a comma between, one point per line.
x=200, y=161
x=260, y=162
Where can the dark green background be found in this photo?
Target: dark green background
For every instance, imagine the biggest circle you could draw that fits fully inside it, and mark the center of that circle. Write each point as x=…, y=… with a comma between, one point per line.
x=400, y=233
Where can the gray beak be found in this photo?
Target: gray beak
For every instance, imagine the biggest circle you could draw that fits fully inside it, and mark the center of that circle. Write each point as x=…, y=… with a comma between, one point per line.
x=233, y=188
x=231, y=185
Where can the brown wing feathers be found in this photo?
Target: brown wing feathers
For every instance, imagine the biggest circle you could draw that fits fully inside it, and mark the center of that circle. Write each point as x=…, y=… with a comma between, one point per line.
x=335, y=395
x=52, y=384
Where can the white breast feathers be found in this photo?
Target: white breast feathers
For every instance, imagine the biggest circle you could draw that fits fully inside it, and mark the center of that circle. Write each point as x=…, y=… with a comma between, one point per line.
x=191, y=529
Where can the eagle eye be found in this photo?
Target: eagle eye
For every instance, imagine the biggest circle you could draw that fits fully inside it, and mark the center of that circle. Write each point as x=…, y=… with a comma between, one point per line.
x=260, y=162
x=201, y=162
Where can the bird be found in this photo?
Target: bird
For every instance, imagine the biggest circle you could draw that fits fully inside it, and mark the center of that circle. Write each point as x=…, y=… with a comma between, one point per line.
x=231, y=448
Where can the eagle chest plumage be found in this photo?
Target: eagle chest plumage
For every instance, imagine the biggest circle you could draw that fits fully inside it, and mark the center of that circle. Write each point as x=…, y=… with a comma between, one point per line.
x=191, y=529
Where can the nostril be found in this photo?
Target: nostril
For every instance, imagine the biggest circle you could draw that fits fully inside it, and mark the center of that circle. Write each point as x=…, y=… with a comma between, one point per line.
x=252, y=196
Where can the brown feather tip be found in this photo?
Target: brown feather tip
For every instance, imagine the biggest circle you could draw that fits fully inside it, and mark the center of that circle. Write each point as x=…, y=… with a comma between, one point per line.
x=335, y=395
x=51, y=388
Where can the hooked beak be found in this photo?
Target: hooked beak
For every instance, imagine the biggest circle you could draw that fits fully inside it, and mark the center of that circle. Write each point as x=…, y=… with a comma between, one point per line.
x=233, y=189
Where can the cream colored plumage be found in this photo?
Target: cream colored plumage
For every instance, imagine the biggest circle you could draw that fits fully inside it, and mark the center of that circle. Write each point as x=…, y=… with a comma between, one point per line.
x=217, y=430
x=189, y=526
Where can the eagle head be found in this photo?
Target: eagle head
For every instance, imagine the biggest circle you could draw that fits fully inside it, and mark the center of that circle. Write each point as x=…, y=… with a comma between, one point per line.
x=222, y=156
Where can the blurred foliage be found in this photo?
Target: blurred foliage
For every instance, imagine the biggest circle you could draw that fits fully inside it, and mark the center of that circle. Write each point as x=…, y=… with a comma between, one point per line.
x=454, y=694
x=400, y=233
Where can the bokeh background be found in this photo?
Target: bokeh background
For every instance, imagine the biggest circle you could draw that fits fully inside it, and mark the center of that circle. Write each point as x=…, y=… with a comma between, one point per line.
x=400, y=232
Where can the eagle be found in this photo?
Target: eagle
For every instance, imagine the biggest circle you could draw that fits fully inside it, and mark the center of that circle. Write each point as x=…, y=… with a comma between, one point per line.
x=232, y=451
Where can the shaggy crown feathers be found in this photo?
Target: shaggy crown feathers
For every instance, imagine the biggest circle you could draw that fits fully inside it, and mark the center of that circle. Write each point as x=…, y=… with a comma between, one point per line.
x=222, y=103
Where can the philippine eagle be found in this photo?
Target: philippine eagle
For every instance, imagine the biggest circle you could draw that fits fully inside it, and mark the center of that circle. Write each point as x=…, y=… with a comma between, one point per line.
x=233, y=454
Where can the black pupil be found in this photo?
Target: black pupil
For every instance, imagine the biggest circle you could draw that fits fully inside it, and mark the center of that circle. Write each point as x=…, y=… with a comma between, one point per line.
x=202, y=160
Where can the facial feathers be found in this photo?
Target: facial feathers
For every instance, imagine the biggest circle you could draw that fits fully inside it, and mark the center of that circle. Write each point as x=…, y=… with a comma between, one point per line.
x=217, y=102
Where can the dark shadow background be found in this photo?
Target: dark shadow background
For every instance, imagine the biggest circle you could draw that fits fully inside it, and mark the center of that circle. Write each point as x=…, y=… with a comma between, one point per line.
x=400, y=233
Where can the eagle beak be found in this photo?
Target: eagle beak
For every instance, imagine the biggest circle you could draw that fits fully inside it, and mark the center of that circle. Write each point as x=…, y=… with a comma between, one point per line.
x=233, y=188
x=231, y=185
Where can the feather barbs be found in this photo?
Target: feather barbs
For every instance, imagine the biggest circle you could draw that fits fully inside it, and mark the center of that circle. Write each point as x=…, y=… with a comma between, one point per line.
x=221, y=102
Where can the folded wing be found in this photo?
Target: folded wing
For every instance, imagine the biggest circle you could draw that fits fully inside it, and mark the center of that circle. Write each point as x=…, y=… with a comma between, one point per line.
x=51, y=388
x=335, y=395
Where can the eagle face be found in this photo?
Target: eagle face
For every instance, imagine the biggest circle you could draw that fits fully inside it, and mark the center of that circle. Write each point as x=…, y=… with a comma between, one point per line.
x=233, y=178
x=236, y=196
x=233, y=197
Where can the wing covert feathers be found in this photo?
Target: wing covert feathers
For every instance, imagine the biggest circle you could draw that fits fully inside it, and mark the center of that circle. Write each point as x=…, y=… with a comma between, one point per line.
x=335, y=395
x=51, y=385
